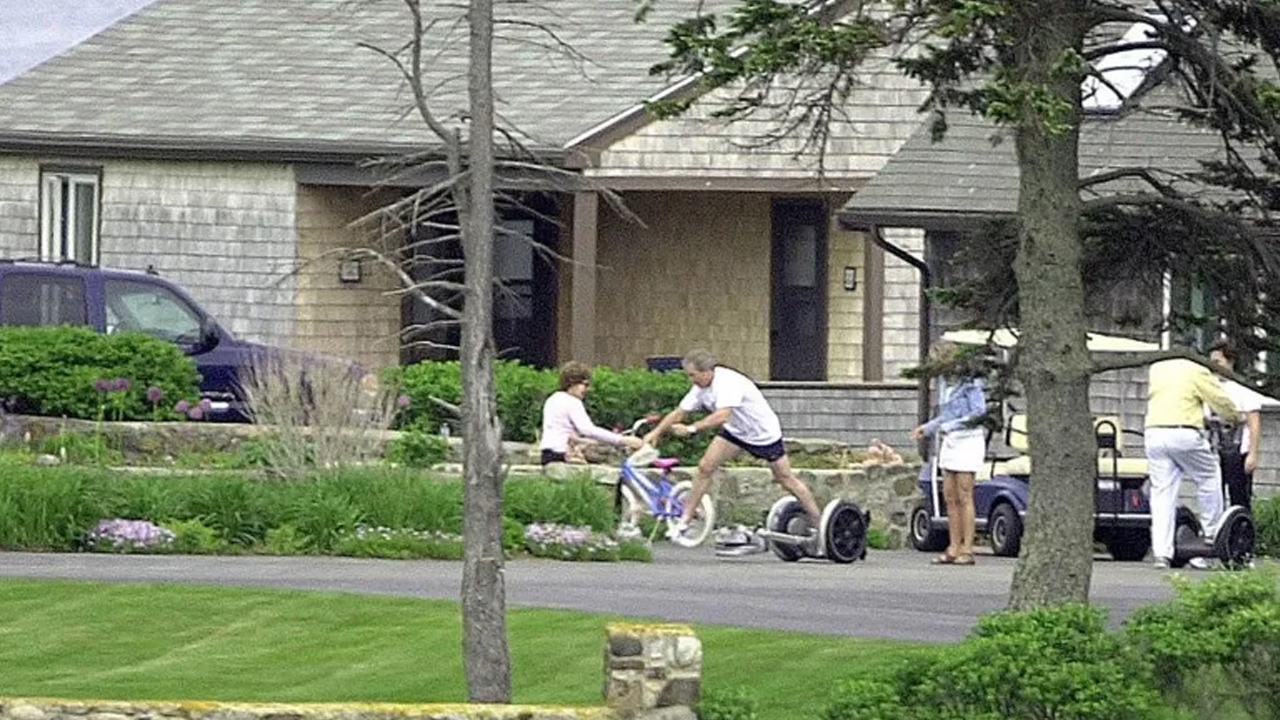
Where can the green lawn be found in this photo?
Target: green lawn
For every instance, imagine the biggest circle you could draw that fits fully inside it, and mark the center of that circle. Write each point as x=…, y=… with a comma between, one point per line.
x=113, y=641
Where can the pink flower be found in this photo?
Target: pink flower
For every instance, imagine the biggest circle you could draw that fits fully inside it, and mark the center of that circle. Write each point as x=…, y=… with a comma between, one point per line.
x=154, y=394
x=402, y=401
x=182, y=406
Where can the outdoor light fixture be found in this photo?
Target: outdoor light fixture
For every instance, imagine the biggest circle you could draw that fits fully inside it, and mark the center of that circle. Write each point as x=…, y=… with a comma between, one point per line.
x=850, y=278
x=349, y=270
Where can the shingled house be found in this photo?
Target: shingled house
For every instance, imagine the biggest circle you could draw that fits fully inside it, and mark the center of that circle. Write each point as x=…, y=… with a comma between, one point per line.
x=221, y=143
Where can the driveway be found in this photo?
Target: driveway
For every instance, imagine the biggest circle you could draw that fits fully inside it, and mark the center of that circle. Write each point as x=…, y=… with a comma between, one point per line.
x=894, y=594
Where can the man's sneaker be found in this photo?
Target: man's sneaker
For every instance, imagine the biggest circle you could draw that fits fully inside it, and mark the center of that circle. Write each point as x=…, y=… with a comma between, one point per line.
x=629, y=531
x=676, y=532
x=1161, y=563
x=1200, y=563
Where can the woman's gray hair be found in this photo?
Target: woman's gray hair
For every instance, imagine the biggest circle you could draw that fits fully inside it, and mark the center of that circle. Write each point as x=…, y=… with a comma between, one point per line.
x=700, y=360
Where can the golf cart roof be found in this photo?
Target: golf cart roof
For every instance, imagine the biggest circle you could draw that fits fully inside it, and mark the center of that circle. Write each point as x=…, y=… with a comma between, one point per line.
x=1008, y=337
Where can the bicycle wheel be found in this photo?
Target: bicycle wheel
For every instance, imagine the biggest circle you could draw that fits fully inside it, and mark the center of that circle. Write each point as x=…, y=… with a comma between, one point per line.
x=704, y=520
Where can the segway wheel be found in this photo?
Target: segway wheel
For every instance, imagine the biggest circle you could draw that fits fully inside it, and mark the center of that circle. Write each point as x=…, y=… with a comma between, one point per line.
x=1186, y=533
x=1234, y=544
x=789, y=518
x=846, y=533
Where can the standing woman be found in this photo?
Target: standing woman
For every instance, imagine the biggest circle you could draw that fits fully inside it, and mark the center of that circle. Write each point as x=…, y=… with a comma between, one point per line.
x=961, y=403
x=565, y=418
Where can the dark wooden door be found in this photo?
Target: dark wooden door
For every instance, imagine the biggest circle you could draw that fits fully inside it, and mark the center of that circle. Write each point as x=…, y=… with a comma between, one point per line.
x=798, y=319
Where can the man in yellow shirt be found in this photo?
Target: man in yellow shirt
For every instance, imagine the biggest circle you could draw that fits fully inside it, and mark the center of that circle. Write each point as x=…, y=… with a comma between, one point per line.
x=1176, y=446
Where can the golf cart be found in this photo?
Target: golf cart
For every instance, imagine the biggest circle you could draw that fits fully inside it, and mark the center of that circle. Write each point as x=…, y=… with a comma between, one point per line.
x=1122, y=515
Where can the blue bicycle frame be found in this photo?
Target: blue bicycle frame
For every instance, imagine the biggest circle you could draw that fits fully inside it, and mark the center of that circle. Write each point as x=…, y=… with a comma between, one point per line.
x=660, y=495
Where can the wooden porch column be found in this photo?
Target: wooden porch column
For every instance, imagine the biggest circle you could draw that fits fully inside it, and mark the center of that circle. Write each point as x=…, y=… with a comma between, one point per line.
x=582, y=331
x=872, y=310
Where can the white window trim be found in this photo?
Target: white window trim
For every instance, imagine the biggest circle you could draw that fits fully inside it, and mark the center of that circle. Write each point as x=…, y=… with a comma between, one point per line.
x=52, y=247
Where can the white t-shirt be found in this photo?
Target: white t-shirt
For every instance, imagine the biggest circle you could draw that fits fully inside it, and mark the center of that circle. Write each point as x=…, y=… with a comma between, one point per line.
x=563, y=417
x=752, y=420
x=1246, y=401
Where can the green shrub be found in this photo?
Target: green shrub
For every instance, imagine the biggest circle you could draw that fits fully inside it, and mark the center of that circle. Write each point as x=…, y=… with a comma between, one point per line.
x=1266, y=518
x=578, y=502
x=1055, y=662
x=732, y=704
x=192, y=537
x=80, y=449
x=418, y=447
x=1217, y=644
x=285, y=540
x=325, y=514
x=53, y=371
x=877, y=538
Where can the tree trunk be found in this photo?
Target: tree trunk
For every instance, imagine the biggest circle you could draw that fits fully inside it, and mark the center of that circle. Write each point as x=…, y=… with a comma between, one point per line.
x=486, y=658
x=1057, y=549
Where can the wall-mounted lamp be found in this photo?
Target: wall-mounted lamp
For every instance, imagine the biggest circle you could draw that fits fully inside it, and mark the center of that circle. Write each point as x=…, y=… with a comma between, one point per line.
x=850, y=278
x=349, y=271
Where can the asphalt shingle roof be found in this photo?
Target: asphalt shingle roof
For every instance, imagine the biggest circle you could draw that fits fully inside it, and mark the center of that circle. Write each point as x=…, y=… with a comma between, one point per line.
x=288, y=73
x=973, y=170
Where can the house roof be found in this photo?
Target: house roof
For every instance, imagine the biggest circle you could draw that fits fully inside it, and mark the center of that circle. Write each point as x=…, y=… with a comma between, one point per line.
x=972, y=173
x=287, y=76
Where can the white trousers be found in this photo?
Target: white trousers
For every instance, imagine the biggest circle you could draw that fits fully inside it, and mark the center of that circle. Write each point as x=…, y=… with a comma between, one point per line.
x=1174, y=454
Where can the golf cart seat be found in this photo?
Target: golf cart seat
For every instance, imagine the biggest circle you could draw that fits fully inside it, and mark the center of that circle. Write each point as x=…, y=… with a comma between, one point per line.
x=1109, y=436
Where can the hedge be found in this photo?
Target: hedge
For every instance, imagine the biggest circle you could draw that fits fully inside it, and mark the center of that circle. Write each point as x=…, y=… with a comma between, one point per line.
x=77, y=372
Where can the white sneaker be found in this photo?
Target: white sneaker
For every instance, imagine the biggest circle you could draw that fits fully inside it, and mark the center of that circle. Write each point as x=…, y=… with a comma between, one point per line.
x=1161, y=563
x=1200, y=563
x=677, y=531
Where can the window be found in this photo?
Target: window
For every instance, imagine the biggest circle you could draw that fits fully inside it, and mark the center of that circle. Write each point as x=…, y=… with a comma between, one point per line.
x=36, y=299
x=69, y=210
x=151, y=309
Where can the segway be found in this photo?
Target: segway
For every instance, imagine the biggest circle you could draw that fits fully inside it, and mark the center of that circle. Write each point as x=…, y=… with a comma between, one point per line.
x=841, y=537
x=1233, y=545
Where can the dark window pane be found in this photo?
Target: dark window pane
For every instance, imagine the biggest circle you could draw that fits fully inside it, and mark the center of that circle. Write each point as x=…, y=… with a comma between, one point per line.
x=32, y=299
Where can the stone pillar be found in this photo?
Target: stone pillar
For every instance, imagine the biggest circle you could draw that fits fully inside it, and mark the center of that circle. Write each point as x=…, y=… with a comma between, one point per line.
x=652, y=672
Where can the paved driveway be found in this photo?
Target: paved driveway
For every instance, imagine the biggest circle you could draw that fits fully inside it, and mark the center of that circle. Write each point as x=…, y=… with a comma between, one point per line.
x=892, y=595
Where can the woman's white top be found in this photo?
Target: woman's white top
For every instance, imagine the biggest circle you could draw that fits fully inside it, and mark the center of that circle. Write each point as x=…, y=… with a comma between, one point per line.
x=564, y=417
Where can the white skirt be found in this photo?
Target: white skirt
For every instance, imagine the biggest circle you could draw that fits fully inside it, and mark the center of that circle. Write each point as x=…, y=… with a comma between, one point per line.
x=963, y=450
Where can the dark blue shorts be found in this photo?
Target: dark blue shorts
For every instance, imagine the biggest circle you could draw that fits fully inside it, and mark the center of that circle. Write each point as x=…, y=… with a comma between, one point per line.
x=768, y=453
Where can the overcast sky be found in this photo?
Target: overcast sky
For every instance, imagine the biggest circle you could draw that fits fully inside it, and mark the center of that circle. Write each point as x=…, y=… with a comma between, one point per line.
x=32, y=31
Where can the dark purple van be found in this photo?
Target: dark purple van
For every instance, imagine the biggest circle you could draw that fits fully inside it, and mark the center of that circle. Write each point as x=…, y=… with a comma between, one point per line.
x=41, y=293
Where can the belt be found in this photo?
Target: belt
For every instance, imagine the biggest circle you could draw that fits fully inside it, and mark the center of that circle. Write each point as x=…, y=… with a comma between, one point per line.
x=1197, y=428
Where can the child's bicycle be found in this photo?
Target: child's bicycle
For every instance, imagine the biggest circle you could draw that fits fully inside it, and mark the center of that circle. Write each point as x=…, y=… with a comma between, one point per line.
x=662, y=499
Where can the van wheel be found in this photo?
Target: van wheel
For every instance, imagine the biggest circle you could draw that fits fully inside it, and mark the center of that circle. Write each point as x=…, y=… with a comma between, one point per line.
x=924, y=536
x=1005, y=528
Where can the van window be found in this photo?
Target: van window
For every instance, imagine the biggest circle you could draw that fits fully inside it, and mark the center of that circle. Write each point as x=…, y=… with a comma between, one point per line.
x=35, y=299
x=151, y=309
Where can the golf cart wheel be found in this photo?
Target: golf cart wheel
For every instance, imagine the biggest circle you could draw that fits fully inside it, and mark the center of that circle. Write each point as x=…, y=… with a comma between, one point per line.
x=924, y=536
x=784, y=521
x=1005, y=529
x=1235, y=541
x=704, y=518
x=1129, y=544
x=846, y=533
x=1186, y=531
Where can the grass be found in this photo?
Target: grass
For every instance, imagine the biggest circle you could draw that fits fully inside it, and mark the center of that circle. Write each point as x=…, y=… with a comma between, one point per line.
x=135, y=641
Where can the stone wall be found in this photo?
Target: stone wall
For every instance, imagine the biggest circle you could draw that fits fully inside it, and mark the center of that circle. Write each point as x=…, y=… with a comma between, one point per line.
x=652, y=672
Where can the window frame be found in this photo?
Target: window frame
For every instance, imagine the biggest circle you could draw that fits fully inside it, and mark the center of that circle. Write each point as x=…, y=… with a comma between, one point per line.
x=55, y=210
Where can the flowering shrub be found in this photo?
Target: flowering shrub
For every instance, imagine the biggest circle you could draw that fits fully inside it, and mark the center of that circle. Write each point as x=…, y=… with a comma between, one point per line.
x=568, y=542
x=117, y=535
x=384, y=542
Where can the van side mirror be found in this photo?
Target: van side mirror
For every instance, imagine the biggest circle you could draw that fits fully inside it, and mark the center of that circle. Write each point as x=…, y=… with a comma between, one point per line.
x=209, y=335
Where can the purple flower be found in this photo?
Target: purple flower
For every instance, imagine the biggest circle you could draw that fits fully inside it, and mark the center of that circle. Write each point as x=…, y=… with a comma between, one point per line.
x=206, y=404
x=118, y=534
x=154, y=394
x=196, y=413
x=102, y=385
x=402, y=401
x=122, y=384
x=182, y=406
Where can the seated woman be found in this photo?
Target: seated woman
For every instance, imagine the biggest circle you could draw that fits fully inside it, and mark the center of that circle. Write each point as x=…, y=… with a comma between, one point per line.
x=565, y=418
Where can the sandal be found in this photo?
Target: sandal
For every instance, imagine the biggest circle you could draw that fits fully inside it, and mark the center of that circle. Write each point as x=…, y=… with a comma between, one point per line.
x=963, y=560
x=944, y=559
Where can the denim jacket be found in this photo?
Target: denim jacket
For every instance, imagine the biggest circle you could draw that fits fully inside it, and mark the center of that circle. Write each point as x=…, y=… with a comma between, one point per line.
x=966, y=402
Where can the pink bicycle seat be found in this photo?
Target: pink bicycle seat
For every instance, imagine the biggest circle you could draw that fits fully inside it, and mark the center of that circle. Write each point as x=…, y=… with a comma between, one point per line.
x=665, y=463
